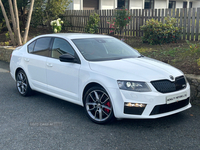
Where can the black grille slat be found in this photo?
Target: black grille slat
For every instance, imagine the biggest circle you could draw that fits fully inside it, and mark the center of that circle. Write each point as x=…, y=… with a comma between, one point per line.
x=166, y=86
x=159, y=109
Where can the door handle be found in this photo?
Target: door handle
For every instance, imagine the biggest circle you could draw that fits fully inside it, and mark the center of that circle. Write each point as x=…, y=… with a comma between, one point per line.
x=49, y=65
x=26, y=59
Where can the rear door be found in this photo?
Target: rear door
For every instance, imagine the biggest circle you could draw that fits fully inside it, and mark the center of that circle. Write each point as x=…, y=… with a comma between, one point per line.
x=35, y=62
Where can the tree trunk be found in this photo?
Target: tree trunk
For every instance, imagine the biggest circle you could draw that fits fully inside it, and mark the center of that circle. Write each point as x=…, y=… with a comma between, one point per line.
x=13, y=17
x=28, y=22
x=19, y=39
x=8, y=24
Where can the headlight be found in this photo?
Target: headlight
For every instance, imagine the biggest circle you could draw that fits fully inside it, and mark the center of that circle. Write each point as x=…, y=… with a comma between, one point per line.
x=133, y=86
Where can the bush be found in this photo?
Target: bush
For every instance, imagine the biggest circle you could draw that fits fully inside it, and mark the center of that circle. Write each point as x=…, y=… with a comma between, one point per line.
x=56, y=25
x=120, y=21
x=122, y=18
x=156, y=32
x=92, y=24
x=194, y=48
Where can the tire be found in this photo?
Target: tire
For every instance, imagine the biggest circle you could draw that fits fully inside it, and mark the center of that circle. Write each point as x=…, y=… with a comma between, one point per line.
x=98, y=106
x=22, y=84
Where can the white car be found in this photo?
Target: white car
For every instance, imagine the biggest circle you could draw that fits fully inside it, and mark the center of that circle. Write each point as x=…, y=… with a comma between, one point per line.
x=103, y=74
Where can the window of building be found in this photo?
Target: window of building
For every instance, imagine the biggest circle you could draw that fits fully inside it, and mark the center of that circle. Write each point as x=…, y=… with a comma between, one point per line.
x=185, y=4
x=172, y=4
x=90, y=4
x=149, y=4
x=190, y=5
x=60, y=47
x=123, y=4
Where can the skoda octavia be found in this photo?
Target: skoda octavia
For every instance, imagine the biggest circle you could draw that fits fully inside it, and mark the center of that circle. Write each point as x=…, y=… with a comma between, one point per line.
x=101, y=73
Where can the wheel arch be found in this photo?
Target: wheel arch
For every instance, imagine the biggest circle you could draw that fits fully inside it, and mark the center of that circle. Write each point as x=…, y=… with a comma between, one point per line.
x=88, y=86
x=17, y=70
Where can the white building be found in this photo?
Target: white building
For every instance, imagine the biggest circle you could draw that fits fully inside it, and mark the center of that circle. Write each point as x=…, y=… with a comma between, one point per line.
x=132, y=4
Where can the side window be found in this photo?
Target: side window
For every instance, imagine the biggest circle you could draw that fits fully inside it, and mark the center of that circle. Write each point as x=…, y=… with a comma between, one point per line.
x=31, y=47
x=42, y=46
x=60, y=47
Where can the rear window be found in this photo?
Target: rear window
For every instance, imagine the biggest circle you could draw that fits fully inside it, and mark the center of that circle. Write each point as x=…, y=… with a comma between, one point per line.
x=40, y=46
x=31, y=47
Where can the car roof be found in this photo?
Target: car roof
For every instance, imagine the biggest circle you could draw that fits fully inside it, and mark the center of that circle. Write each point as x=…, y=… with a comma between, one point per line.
x=77, y=35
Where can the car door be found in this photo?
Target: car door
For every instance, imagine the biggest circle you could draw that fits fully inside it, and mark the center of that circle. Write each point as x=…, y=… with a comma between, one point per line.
x=35, y=62
x=62, y=77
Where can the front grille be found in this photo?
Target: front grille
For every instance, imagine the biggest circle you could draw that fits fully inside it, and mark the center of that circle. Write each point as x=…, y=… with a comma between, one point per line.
x=159, y=109
x=166, y=86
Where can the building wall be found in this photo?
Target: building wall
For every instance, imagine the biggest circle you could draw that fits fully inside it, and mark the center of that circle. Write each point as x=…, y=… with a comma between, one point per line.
x=160, y=4
x=70, y=7
x=195, y=4
x=135, y=4
x=106, y=4
x=179, y=4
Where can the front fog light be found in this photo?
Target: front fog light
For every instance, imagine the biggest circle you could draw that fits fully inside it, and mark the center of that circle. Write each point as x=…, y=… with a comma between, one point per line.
x=134, y=108
x=134, y=104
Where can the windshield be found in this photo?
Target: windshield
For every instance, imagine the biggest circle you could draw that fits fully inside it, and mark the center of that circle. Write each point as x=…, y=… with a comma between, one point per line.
x=99, y=49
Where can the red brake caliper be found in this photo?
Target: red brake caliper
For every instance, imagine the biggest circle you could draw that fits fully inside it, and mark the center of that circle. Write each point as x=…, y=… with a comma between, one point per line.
x=107, y=110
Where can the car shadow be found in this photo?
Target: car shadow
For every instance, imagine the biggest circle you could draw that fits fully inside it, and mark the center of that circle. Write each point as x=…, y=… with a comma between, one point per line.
x=77, y=114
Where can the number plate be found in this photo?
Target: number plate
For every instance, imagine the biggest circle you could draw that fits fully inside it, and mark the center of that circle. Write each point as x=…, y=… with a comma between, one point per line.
x=176, y=98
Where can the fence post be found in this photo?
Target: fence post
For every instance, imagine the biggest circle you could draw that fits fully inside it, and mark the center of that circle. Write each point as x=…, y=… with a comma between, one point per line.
x=184, y=23
x=188, y=25
x=197, y=25
x=193, y=23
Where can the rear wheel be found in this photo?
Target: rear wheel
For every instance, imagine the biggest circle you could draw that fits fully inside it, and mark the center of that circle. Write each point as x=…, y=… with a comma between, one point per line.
x=22, y=83
x=98, y=105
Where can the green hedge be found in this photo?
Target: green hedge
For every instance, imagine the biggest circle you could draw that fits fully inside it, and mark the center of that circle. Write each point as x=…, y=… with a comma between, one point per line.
x=156, y=32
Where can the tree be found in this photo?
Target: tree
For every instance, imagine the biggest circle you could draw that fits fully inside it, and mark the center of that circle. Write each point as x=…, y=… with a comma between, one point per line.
x=47, y=10
x=22, y=9
x=15, y=22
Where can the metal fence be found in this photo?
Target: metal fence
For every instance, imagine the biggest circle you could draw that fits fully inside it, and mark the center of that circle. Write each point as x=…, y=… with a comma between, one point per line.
x=186, y=18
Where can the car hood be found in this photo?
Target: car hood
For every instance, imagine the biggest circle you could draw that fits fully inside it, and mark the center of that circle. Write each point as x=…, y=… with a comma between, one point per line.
x=135, y=69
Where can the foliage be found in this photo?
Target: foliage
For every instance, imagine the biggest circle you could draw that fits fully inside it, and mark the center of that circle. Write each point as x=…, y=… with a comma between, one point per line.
x=198, y=62
x=194, y=48
x=122, y=18
x=92, y=24
x=7, y=35
x=113, y=26
x=57, y=25
x=5, y=43
x=120, y=21
x=38, y=13
x=47, y=10
x=156, y=32
x=21, y=4
x=6, y=5
x=2, y=25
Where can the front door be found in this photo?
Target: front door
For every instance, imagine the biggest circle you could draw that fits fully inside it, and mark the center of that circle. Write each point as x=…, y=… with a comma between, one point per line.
x=62, y=77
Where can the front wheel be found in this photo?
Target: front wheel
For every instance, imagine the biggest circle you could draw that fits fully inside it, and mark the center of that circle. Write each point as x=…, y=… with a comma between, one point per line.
x=98, y=105
x=22, y=83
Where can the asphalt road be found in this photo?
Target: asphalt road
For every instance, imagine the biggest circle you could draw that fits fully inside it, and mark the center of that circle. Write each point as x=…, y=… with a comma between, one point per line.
x=41, y=122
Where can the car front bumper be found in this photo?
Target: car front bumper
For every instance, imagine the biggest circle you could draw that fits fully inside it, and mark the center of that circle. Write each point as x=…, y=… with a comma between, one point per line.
x=153, y=104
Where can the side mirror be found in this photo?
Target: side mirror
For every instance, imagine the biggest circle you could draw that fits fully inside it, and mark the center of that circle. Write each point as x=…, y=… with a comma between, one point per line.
x=67, y=58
